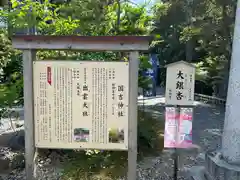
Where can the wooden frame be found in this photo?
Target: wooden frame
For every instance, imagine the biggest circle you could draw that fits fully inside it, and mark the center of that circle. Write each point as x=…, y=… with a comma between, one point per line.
x=30, y=43
x=85, y=43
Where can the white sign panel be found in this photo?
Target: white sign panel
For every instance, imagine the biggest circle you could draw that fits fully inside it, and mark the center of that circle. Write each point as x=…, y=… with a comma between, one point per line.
x=81, y=105
x=180, y=84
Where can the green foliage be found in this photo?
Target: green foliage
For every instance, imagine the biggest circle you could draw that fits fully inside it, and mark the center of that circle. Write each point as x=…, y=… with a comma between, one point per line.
x=150, y=133
x=201, y=28
x=133, y=20
x=10, y=75
x=7, y=53
x=143, y=81
x=78, y=17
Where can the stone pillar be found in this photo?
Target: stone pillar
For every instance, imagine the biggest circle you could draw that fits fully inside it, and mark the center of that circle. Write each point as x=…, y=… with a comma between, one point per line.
x=231, y=132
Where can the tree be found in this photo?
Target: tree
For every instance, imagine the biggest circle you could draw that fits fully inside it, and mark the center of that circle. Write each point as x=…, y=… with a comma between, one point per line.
x=210, y=34
x=10, y=77
x=77, y=17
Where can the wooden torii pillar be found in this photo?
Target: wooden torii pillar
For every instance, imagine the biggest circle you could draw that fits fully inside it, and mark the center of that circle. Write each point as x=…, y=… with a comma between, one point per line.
x=29, y=44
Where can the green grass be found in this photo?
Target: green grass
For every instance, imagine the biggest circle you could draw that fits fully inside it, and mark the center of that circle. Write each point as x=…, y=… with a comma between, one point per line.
x=110, y=165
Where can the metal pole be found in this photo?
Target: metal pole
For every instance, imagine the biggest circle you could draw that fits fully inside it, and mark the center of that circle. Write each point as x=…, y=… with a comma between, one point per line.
x=175, y=168
x=231, y=132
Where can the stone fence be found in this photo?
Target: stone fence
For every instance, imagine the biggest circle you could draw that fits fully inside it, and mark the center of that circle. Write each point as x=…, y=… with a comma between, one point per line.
x=219, y=169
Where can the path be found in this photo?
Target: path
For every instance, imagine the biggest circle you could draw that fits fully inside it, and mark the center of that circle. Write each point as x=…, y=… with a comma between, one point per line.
x=207, y=128
x=5, y=123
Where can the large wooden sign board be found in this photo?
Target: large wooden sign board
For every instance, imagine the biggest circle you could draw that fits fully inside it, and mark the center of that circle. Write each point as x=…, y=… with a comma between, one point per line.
x=81, y=105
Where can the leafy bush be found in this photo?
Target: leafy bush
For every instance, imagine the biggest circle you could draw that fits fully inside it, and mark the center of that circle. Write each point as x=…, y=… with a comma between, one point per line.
x=11, y=80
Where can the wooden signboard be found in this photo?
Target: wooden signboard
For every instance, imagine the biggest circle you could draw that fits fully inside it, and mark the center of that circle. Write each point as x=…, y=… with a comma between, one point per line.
x=81, y=105
x=180, y=84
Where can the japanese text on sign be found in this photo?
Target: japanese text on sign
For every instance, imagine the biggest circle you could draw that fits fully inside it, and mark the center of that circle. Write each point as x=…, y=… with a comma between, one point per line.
x=81, y=105
x=180, y=84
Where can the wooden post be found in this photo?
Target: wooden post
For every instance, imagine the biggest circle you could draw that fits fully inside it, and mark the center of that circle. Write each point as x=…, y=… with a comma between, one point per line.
x=28, y=58
x=133, y=117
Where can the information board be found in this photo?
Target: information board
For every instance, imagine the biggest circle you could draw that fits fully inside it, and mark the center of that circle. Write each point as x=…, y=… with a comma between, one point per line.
x=81, y=105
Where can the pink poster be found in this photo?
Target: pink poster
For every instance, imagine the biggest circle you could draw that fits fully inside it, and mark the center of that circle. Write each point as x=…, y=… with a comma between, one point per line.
x=178, y=128
x=185, y=128
x=171, y=127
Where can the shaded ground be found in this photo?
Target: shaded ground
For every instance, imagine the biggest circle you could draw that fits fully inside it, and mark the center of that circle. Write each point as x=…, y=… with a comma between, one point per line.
x=207, y=129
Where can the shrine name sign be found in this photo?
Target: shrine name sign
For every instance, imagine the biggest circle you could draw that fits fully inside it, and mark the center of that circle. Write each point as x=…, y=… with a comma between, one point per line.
x=180, y=84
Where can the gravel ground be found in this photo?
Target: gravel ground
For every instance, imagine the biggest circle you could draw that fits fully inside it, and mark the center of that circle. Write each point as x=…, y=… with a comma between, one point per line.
x=207, y=128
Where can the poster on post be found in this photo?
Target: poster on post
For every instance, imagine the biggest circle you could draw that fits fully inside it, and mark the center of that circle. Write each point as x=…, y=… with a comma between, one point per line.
x=178, y=128
x=171, y=127
x=81, y=105
x=185, y=128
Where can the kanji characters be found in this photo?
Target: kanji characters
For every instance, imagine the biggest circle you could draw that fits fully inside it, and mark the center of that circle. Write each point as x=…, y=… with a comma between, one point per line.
x=120, y=113
x=120, y=105
x=85, y=105
x=85, y=88
x=85, y=113
x=121, y=88
x=85, y=96
x=180, y=75
x=179, y=85
x=179, y=95
x=120, y=98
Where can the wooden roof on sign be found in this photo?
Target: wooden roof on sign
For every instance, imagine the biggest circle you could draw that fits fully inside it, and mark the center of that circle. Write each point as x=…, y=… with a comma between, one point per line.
x=180, y=62
x=91, y=43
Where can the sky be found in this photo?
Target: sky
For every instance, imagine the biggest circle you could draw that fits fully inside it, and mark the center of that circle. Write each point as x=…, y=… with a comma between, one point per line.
x=141, y=1
x=138, y=1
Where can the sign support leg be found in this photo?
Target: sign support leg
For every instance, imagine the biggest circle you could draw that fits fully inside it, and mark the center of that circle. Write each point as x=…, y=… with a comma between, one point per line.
x=28, y=58
x=175, y=170
x=132, y=134
x=175, y=154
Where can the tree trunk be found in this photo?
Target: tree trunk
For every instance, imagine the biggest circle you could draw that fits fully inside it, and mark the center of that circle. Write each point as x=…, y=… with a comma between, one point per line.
x=189, y=44
x=226, y=51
